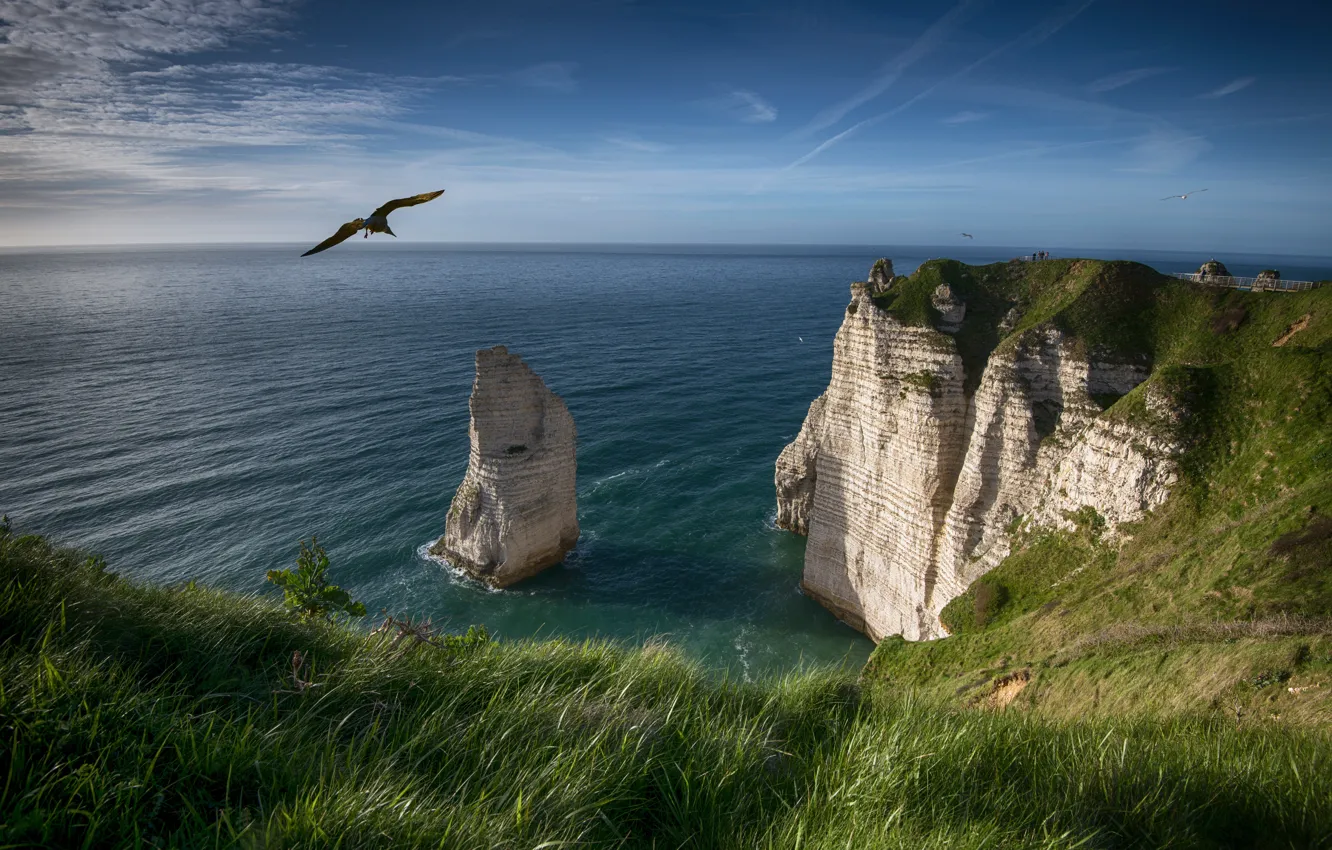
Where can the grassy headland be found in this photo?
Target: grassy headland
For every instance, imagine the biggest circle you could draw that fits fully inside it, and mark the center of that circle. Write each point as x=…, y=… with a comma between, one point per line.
x=172, y=717
x=1170, y=689
x=1217, y=603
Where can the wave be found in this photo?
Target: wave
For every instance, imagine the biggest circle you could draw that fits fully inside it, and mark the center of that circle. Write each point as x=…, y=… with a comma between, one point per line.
x=457, y=575
x=743, y=648
x=632, y=473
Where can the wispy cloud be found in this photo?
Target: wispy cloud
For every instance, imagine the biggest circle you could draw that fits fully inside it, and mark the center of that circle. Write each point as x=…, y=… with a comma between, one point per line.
x=158, y=133
x=1047, y=28
x=743, y=105
x=556, y=76
x=1124, y=78
x=1156, y=144
x=91, y=115
x=634, y=143
x=966, y=116
x=77, y=32
x=1165, y=149
x=1230, y=88
x=1032, y=37
x=924, y=44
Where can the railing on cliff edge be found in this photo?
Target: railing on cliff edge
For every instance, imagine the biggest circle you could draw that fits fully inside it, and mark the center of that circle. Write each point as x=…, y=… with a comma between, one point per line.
x=1250, y=284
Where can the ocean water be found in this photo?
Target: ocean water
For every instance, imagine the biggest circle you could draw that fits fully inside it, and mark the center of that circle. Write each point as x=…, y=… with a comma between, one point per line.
x=194, y=412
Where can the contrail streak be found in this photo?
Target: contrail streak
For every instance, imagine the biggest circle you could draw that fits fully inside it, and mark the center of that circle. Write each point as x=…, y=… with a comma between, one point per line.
x=1032, y=37
x=927, y=41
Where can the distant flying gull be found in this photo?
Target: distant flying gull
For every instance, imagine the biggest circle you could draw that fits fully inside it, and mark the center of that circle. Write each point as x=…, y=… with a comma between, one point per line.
x=1183, y=196
x=376, y=223
x=801, y=338
x=968, y=235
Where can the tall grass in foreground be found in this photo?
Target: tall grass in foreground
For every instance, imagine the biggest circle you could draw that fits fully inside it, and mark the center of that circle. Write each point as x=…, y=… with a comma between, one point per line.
x=134, y=716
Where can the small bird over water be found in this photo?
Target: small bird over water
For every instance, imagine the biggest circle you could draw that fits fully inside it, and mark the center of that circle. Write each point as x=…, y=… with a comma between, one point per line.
x=1183, y=196
x=968, y=235
x=376, y=223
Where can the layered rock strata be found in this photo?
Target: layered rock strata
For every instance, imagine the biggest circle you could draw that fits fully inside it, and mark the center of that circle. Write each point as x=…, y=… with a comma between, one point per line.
x=516, y=511
x=907, y=487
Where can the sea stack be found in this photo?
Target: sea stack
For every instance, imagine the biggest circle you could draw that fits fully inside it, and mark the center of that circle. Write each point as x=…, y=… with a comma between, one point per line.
x=516, y=511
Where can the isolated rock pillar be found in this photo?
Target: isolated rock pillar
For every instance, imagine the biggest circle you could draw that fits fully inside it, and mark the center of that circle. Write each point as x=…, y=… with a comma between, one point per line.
x=516, y=511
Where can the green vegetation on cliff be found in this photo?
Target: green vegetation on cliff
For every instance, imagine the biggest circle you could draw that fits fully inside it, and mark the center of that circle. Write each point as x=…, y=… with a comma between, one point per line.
x=187, y=717
x=1218, y=602
x=1106, y=305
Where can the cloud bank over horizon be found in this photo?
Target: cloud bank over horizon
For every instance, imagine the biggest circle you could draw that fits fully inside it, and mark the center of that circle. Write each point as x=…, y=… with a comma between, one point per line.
x=1039, y=122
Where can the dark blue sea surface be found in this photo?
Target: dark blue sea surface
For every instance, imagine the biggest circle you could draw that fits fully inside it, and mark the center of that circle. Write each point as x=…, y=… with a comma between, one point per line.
x=193, y=412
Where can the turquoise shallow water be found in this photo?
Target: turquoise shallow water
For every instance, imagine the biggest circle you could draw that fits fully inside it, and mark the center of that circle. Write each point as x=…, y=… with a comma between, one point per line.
x=194, y=412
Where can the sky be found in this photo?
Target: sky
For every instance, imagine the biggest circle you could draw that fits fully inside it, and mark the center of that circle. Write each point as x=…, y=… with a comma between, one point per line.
x=1037, y=124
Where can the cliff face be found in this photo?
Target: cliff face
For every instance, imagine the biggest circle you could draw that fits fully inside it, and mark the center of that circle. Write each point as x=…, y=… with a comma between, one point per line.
x=870, y=475
x=907, y=480
x=516, y=511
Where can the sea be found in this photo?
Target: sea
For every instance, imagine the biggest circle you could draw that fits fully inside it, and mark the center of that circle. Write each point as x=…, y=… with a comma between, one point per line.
x=194, y=412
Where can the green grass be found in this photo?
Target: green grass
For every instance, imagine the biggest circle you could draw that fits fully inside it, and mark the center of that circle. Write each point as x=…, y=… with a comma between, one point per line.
x=141, y=716
x=1107, y=307
x=1139, y=623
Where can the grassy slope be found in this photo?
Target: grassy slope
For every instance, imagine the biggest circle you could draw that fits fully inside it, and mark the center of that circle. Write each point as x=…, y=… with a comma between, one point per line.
x=1245, y=539
x=134, y=716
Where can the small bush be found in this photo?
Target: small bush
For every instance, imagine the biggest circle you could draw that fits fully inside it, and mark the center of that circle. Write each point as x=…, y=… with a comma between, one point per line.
x=990, y=597
x=1088, y=519
x=306, y=591
x=1229, y=319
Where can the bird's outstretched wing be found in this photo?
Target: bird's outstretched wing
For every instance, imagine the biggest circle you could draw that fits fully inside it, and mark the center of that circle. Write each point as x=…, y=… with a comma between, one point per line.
x=345, y=232
x=408, y=202
x=1185, y=195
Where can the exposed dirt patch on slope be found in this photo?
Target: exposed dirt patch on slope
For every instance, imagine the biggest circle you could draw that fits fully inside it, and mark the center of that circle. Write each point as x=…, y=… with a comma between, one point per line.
x=1005, y=689
x=1299, y=324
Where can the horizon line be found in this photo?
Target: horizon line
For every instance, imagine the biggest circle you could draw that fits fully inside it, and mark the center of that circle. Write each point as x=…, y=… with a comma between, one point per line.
x=1065, y=252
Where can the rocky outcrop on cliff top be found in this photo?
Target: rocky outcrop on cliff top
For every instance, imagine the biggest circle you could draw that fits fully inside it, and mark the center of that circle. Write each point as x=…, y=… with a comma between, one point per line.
x=909, y=473
x=516, y=511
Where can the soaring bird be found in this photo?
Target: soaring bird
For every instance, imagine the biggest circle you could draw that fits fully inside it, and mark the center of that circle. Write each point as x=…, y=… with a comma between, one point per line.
x=1183, y=196
x=376, y=223
x=968, y=235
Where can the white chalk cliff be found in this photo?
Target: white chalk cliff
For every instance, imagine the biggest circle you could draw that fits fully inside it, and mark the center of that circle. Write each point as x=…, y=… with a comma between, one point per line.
x=516, y=511
x=908, y=482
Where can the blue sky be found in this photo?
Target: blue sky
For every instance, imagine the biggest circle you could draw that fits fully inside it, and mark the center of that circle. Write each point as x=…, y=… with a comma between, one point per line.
x=1023, y=123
